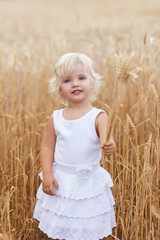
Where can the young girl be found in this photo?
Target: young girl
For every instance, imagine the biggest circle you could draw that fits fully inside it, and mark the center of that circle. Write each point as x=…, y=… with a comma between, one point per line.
x=74, y=200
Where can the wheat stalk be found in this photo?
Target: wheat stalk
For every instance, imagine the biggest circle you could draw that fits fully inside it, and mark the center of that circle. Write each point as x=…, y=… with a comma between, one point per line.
x=156, y=98
x=123, y=72
x=155, y=212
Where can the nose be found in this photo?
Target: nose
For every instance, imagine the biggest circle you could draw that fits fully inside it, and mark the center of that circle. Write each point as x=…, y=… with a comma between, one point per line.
x=75, y=83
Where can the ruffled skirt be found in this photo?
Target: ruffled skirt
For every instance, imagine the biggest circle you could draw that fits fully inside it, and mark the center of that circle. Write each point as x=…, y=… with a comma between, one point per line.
x=82, y=208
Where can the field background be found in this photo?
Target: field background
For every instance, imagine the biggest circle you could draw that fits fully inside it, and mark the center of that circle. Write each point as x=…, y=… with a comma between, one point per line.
x=33, y=34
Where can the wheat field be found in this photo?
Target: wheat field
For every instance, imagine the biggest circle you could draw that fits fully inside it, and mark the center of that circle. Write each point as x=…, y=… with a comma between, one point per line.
x=123, y=39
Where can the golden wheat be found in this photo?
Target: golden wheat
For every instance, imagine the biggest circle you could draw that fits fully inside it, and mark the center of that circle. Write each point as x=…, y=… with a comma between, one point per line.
x=33, y=36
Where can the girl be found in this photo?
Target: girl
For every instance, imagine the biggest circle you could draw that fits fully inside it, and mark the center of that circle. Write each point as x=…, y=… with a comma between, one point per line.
x=74, y=200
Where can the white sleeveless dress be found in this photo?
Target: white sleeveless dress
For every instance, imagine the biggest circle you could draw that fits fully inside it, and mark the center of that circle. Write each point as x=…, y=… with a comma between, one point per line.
x=82, y=208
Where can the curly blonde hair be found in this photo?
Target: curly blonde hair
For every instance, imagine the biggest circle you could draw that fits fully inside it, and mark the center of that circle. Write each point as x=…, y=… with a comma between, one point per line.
x=65, y=66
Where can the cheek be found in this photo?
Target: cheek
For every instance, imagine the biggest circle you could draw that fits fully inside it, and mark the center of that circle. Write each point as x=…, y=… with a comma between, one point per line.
x=64, y=89
x=90, y=85
x=89, y=89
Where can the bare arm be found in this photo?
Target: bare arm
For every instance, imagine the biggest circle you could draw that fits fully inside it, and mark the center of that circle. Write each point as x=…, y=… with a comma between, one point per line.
x=108, y=147
x=47, y=154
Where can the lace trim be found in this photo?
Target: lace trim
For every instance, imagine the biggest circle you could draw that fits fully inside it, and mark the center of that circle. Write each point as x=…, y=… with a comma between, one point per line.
x=77, y=229
x=73, y=208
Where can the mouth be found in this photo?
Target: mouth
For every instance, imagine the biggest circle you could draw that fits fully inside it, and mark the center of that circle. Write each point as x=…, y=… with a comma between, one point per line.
x=76, y=91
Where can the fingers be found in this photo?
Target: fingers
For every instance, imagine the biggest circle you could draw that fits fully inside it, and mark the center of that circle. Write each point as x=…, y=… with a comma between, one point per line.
x=108, y=148
x=48, y=190
x=48, y=187
x=55, y=184
x=51, y=192
x=110, y=143
x=106, y=152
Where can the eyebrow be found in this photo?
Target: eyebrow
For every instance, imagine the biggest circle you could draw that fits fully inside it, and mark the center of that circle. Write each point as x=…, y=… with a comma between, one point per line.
x=81, y=74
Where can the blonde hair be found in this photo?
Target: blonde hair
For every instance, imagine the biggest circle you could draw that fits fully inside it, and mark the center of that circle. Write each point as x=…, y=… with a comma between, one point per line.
x=65, y=66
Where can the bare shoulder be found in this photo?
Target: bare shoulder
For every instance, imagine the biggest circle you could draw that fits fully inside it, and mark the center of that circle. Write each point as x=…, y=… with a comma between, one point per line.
x=101, y=123
x=50, y=136
x=101, y=118
x=50, y=121
x=50, y=125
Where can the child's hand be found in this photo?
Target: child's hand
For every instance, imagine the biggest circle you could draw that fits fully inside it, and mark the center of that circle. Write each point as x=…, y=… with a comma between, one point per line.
x=108, y=148
x=47, y=184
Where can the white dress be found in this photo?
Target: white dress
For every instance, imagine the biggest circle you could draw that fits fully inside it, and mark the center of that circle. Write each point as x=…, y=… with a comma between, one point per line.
x=82, y=208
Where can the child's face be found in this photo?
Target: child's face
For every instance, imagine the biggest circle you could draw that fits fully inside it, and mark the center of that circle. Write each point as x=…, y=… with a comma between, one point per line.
x=77, y=86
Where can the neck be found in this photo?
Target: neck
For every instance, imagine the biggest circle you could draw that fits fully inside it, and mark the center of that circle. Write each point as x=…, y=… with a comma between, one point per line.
x=80, y=106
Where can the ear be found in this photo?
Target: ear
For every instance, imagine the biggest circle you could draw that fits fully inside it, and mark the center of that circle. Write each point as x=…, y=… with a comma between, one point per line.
x=60, y=90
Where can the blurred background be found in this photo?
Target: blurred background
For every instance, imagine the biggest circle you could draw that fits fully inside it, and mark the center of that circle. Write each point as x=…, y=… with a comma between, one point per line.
x=33, y=35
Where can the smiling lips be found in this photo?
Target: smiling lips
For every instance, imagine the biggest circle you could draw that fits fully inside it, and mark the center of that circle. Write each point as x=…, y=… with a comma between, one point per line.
x=76, y=91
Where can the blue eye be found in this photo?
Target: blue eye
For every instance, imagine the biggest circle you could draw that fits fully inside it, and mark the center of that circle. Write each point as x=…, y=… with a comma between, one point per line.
x=81, y=78
x=67, y=80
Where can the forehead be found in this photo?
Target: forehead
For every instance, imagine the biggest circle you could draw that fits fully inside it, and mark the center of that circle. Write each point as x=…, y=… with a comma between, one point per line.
x=77, y=69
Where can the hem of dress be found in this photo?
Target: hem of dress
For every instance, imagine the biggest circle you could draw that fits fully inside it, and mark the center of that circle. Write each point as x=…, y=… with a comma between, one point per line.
x=60, y=238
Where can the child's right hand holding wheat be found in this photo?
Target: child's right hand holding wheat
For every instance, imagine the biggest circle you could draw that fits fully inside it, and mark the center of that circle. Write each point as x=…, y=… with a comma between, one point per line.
x=108, y=146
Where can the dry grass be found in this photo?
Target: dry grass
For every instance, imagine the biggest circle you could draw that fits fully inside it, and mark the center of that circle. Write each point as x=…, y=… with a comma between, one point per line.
x=32, y=36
